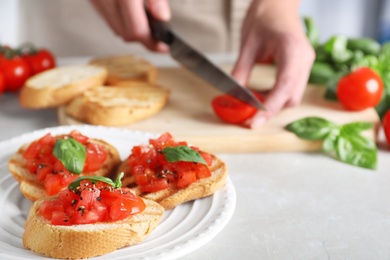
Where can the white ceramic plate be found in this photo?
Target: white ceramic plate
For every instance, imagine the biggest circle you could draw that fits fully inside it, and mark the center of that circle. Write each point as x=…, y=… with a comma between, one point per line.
x=181, y=231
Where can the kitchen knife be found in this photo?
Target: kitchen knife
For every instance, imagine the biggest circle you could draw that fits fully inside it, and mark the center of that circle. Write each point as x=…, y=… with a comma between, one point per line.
x=199, y=64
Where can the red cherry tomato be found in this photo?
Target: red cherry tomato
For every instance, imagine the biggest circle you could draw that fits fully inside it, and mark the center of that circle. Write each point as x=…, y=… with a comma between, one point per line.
x=386, y=125
x=15, y=71
x=40, y=61
x=232, y=110
x=2, y=83
x=361, y=89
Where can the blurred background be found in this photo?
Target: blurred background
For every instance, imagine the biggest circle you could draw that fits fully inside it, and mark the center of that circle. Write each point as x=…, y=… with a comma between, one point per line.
x=73, y=27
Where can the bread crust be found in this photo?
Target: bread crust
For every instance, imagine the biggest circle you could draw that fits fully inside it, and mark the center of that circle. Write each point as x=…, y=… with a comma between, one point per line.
x=33, y=189
x=82, y=241
x=170, y=198
x=117, y=106
x=42, y=90
x=126, y=69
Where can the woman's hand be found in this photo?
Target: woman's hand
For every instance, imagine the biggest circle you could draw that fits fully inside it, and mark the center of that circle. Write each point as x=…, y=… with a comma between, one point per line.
x=127, y=18
x=272, y=31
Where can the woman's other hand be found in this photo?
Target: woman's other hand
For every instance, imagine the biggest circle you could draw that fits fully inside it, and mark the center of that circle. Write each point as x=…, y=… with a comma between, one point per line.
x=272, y=31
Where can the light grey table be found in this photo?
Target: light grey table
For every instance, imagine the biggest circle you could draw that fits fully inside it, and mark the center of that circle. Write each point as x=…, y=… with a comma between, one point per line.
x=289, y=205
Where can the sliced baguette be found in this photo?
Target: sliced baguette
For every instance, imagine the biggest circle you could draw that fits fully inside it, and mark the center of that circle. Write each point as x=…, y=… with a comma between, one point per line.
x=116, y=106
x=33, y=189
x=58, y=86
x=126, y=69
x=170, y=198
x=82, y=241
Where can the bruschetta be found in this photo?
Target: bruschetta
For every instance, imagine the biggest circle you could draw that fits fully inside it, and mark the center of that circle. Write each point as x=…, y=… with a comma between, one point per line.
x=49, y=164
x=171, y=172
x=94, y=216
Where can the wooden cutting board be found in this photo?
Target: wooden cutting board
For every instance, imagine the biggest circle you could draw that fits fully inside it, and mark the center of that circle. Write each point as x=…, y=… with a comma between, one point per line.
x=188, y=116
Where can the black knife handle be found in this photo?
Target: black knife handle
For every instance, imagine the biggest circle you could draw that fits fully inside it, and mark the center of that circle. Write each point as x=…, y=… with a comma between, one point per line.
x=160, y=30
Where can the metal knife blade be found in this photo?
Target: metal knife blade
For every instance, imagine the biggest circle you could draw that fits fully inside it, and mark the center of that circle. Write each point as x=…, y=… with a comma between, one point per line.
x=200, y=65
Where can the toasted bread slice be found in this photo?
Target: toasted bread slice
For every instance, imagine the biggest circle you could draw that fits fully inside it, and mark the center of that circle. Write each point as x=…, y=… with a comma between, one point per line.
x=58, y=86
x=170, y=198
x=126, y=69
x=82, y=241
x=33, y=189
x=115, y=106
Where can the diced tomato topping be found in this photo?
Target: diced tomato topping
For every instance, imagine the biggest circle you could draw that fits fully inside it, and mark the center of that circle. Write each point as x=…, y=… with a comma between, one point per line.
x=119, y=208
x=47, y=139
x=207, y=157
x=90, y=204
x=185, y=179
x=60, y=218
x=152, y=172
x=155, y=185
x=79, y=137
x=43, y=170
x=32, y=151
x=53, y=184
x=96, y=155
x=203, y=172
x=47, y=207
x=49, y=170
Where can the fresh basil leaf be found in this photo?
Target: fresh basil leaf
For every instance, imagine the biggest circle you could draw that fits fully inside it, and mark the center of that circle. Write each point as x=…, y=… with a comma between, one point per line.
x=357, y=150
x=71, y=153
x=370, y=61
x=94, y=179
x=356, y=127
x=321, y=73
x=311, y=128
x=336, y=46
x=321, y=54
x=182, y=153
x=118, y=182
x=330, y=142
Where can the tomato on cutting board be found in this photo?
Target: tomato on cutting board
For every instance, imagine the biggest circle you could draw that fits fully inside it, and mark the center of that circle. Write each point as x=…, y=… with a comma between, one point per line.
x=153, y=170
x=91, y=202
x=48, y=169
x=360, y=89
x=232, y=110
x=386, y=125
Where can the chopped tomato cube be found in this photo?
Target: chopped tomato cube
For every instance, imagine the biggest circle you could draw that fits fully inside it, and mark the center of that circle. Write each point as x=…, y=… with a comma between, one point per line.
x=122, y=208
x=47, y=207
x=32, y=165
x=96, y=155
x=108, y=197
x=154, y=186
x=48, y=140
x=53, y=184
x=207, y=157
x=59, y=217
x=185, y=179
x=43, y=170
x=79, y=137
x=32, y=151
x=203, y=171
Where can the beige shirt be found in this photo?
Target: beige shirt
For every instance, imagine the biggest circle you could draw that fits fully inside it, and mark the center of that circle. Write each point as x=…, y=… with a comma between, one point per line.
x=74, y=28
